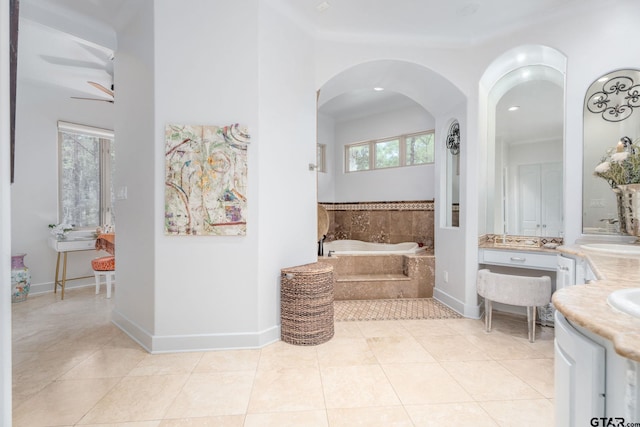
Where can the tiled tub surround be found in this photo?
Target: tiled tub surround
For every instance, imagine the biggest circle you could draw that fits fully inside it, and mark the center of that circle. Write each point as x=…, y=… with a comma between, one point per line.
x=382, y=222
x=360, y=277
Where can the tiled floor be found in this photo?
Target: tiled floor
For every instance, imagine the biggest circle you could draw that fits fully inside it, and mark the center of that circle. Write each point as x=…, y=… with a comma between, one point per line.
x=73, y=367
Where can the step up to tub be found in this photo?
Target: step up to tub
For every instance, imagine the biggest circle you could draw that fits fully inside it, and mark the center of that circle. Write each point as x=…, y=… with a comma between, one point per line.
x=378, y=286
x=371, y=277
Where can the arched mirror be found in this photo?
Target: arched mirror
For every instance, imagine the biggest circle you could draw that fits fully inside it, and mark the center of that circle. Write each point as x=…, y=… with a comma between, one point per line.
x=452, y=143
x=525, y=152
x=610, y=114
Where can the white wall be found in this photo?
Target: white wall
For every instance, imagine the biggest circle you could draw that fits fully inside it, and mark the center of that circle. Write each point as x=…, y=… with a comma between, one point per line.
x=327, y=180
x=216, y=291
x=286, y=145
x=136, y=168
x=392, y=184
x=5, y=223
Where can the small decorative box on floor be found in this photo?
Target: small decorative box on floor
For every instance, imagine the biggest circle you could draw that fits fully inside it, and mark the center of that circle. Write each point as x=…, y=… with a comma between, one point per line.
x=306, y=298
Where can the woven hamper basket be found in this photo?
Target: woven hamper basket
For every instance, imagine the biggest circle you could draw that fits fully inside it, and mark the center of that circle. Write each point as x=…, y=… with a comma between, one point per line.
x=306, y=299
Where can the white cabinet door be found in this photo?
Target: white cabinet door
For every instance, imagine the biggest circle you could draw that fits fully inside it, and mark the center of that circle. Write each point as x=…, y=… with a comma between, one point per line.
x=579, y=376
x=565, y=272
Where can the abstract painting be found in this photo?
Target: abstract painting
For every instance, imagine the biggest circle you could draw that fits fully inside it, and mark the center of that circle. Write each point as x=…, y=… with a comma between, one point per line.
x=206, y=180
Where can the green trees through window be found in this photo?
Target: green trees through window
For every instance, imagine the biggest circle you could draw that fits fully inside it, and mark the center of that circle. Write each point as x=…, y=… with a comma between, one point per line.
x=404, y=150
x=86, y=168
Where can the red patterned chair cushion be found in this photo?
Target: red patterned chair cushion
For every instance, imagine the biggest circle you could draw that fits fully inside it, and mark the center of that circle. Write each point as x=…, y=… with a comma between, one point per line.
x=105, y=263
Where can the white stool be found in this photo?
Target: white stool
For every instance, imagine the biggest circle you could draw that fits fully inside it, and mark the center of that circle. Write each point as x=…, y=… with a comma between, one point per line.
x=514, y=290
x=110, y=277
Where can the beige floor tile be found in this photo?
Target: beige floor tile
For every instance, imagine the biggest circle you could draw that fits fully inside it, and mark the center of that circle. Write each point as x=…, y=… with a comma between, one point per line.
x=61, y=402
x=398, y=350
x=34, y=371
x=167, y=364
x=538, y=373
x=500, y=346
x=428, y=327
x=362, y=376
x=521, y=413
x=346, y=330
x=357, y=386
x=465, y=326
x=450, y=415
x=386, y=416
x=452, y=348
x=106, y=362
x=213, y=393
x=420, y=383
x=488, y=380
x=220, y=421
x=136, y=399
x=155, y=423
x=383, y=328
x=344, y=352
x=278, y=390
x=288, y=419
x=282, y=355
x=228, y=360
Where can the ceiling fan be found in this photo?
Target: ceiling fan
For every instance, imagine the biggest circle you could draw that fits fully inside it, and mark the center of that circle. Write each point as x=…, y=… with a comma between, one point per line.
x=101, y=88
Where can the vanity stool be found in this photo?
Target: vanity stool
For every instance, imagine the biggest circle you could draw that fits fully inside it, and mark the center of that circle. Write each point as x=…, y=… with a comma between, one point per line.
x=524, y=291
x=104, y=266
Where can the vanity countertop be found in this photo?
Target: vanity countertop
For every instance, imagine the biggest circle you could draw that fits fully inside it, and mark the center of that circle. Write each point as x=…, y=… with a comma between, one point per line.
x=586, y=305
x=522, y=248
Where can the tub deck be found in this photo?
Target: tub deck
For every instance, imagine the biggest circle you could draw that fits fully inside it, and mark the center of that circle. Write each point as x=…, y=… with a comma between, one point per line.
x=361, y=277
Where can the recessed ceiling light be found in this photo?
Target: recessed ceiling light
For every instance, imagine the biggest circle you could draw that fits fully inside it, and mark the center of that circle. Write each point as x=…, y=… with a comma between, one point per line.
x=514, y=108
x=378, y=89
x=322, y=6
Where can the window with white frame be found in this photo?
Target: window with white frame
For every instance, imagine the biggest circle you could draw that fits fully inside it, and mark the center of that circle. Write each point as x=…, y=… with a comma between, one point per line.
x=404, y=150
x=85, y=169
x=321, y=160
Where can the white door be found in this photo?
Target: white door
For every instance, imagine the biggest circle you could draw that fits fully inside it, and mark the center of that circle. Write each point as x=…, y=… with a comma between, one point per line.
x=540, y=199
x=551, y=198
x=529, y=200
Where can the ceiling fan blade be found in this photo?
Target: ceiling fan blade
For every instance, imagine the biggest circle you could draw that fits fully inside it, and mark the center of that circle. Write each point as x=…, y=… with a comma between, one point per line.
x=93, y=99
x=102, y=88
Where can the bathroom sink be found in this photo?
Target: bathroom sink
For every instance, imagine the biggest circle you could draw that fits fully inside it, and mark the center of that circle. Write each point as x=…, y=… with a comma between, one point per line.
x=613, y=248
x=626, y=301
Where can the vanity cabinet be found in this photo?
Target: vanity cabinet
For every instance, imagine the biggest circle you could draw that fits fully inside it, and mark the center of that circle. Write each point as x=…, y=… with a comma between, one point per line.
x=579, y=376
x=518, y=258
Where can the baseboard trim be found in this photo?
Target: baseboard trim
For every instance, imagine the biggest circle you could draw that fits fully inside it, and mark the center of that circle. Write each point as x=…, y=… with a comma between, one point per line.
x=156, y=344
x=470, y=311
x=47, y=287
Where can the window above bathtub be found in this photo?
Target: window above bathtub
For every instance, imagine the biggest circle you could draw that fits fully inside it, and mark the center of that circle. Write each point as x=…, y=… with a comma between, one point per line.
x=399, y=151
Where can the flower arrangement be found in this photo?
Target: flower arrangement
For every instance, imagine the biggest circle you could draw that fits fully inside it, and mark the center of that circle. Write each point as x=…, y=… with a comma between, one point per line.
x=60, y=230
x=621, y=165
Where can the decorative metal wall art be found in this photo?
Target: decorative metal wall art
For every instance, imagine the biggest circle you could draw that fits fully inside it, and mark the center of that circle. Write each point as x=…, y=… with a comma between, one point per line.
x=617, y=99
x=453, y=138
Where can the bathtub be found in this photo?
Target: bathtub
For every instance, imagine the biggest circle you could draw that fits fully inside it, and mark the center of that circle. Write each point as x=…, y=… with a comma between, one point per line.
x=357, y=247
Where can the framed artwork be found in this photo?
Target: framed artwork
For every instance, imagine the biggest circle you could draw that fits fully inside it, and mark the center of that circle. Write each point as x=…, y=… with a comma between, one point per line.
x=206, y=180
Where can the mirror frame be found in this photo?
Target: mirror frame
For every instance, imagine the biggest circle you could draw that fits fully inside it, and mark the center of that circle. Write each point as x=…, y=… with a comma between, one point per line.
x=511, y=60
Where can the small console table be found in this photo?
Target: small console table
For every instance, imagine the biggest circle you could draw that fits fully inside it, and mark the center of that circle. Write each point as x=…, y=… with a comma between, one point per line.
x=73, y=243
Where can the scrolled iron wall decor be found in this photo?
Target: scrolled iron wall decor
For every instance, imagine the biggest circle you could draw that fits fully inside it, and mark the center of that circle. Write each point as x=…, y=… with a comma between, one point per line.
x=617, y=99
x=453, y=138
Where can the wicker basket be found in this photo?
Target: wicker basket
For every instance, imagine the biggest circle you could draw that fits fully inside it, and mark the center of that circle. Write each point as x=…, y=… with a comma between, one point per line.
x=306, y=298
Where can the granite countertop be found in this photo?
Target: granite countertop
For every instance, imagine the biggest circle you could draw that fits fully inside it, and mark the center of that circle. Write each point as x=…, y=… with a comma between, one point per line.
x=586, y=305
x=522, y=248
